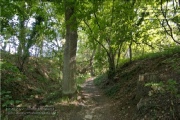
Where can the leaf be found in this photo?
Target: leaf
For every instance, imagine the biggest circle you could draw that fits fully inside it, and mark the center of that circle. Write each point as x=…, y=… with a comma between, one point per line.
x=17, y=101
x=9, y=102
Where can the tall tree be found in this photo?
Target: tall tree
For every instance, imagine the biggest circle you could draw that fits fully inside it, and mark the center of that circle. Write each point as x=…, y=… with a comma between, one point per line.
x=69, y=68
x=110, y=26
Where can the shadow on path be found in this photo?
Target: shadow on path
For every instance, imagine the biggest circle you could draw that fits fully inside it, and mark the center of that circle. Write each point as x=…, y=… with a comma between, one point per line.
x=91, y=105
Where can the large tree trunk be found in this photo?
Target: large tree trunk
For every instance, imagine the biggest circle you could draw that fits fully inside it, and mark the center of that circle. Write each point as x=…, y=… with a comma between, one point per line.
x=112, y=66
x=69, y=68
x=21, y=47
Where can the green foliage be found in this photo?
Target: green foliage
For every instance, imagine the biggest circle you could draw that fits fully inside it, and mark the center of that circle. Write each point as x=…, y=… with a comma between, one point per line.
x=53, y=97
x=169, y=87
x=156, y=88
x=81, y=78
x=10, y=72
x=174, y=63
x=106, y=27
x=79, y=88
x=167, y=51
x=172, y=87
x=111, y=91
x=6, y=99
x=100, y=79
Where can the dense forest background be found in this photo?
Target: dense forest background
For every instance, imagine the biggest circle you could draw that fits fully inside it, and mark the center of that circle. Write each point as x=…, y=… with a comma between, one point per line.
x=61, y=43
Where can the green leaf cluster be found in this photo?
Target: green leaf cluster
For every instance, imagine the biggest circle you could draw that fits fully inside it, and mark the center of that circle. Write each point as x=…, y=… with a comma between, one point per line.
x=10, y=73
x=164, y=88
x=6, y=99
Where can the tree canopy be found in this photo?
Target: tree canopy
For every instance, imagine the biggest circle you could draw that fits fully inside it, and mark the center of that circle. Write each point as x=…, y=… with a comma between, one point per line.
x=109, y=31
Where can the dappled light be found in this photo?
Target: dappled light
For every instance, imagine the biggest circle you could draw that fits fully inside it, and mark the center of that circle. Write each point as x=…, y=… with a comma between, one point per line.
x=90, y=104
x=90, y=59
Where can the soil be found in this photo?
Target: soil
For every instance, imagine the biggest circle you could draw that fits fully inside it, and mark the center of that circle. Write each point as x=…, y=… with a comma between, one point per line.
x=92, y=104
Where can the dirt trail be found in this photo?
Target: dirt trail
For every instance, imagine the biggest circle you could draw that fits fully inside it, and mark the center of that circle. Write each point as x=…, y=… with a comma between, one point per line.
x=92, y=104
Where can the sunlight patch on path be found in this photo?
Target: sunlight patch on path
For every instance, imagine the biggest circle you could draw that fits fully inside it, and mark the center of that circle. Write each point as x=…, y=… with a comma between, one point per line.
x=91, y=104
x=96, y=103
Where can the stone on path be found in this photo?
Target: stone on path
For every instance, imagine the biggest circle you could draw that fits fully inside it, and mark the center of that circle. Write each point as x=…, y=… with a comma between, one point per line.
x=88, y=117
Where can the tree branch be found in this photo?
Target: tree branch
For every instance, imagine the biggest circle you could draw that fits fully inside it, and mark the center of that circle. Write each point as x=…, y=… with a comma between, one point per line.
x=170, y=33
x=96, y=39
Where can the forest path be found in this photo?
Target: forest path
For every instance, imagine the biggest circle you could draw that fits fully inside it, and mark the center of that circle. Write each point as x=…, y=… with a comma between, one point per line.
x=92, y=104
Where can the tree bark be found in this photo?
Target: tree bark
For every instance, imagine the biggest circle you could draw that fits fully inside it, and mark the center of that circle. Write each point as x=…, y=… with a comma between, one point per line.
x=21, y=47
x=130, y=51
x=91, y=63
x=69, y=68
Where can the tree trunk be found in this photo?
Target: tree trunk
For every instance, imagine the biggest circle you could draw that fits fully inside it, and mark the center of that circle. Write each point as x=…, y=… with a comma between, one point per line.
x=91, y=63
x=130, y=51
x=112, y=67
x=21, y=47
x=69, y=68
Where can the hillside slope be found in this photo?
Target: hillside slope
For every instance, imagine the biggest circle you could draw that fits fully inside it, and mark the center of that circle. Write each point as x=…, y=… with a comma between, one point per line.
x=38, y=84
x=146, y=88
x=158, y=96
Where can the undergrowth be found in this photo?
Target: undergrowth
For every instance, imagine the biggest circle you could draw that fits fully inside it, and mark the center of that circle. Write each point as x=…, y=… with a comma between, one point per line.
x=100, y=79
x=126, y=73
x=112, y=90
x=165, y=52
